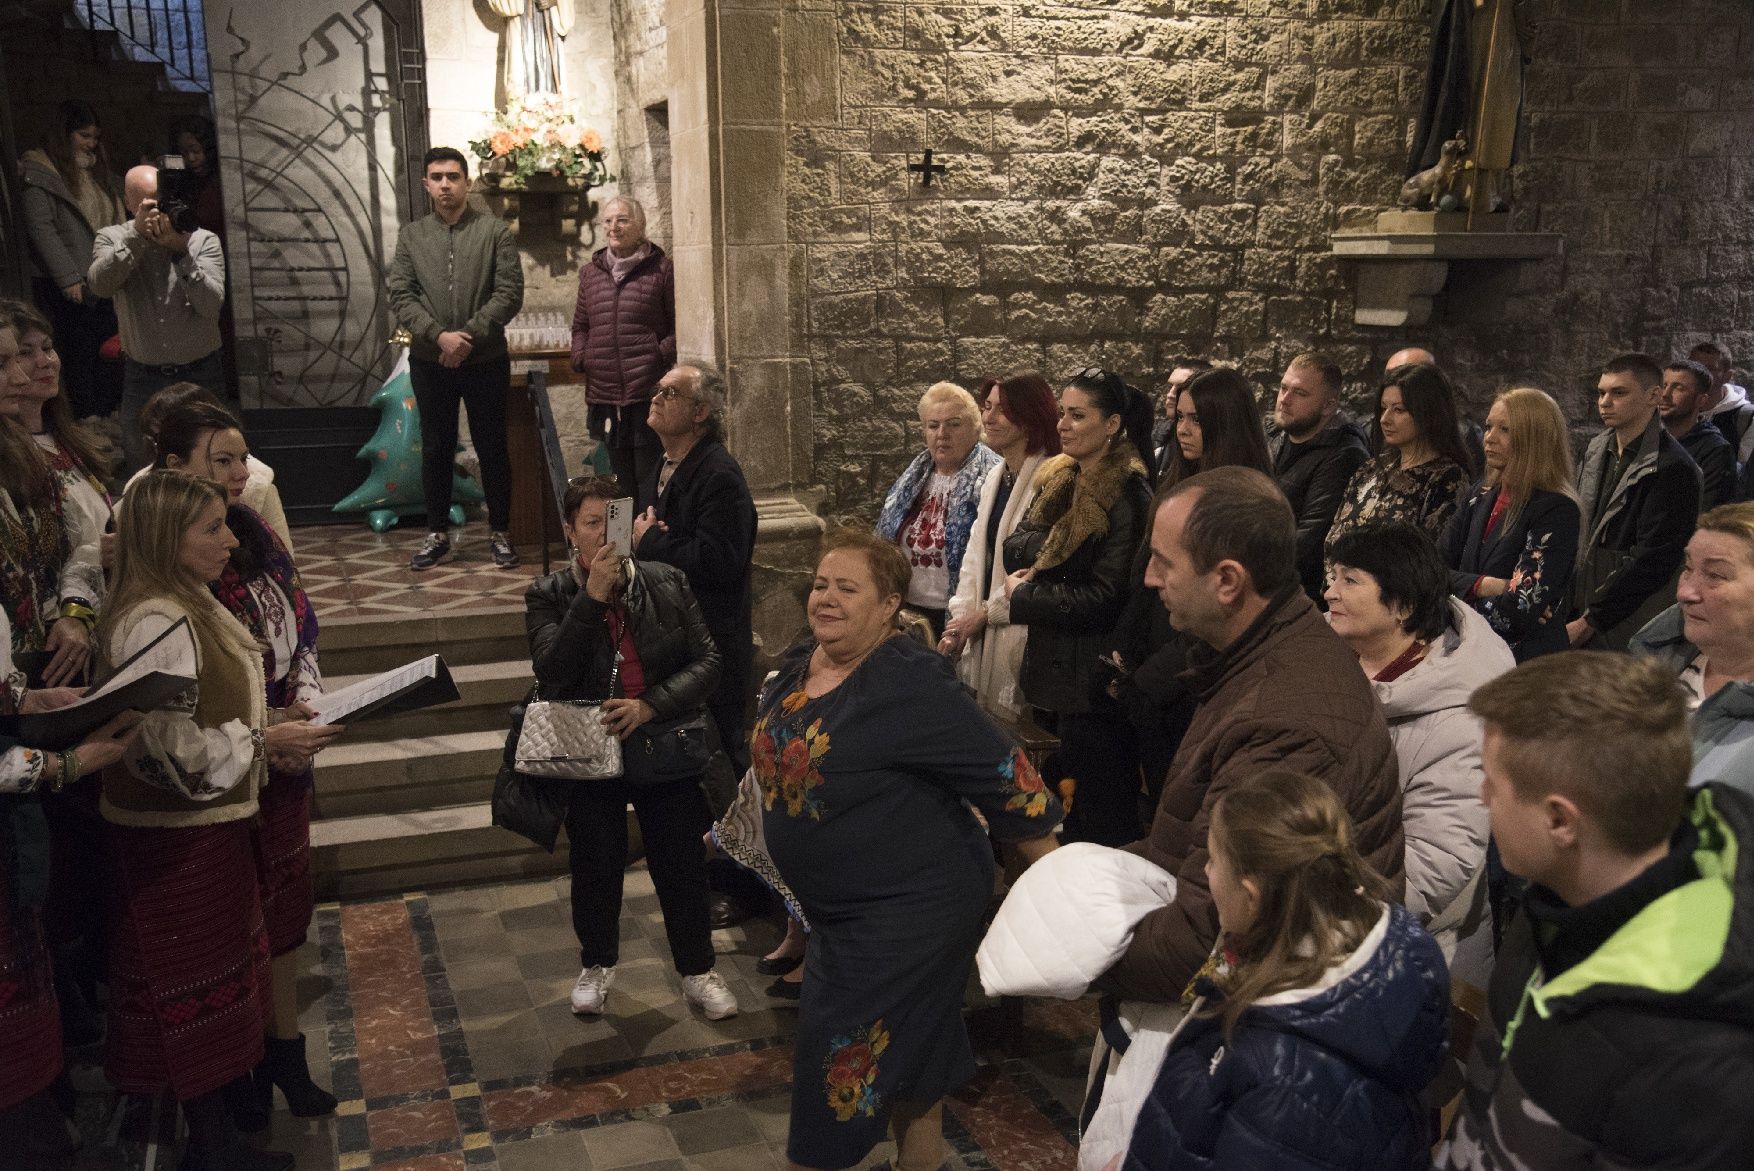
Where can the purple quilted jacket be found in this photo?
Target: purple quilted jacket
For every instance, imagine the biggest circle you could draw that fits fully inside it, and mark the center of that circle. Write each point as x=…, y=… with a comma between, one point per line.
x=624, y=335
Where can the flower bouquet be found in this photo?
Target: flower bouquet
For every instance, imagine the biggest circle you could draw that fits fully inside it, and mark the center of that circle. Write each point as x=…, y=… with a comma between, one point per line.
x=539, y=137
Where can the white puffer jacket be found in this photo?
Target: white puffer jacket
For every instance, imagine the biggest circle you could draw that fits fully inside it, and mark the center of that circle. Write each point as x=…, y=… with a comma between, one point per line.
x=1068, y=920
x=1437, y=742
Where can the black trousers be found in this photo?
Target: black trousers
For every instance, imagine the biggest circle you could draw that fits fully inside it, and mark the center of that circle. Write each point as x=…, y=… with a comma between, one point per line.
x=481, y=389
x=672, y=817
x=632, y=465
x=1099, y=751
x=94, y=387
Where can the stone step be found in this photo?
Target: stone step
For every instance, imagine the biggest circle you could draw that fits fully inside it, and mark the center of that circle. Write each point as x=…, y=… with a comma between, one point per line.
x=385, y=853
x=404, y=776
x=359, y=646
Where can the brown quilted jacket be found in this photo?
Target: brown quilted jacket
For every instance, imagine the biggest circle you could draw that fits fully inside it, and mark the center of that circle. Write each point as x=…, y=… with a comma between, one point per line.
x=624, y=335
x=1288, y=694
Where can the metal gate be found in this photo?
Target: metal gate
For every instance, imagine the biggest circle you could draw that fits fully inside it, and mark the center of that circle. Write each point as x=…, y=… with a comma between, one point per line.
x=322, y=123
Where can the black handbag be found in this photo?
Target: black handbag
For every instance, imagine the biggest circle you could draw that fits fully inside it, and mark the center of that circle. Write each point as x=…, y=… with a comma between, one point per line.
x=667, y=750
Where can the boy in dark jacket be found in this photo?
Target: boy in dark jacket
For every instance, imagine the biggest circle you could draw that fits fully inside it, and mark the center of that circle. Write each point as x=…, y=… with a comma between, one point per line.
x=1620, y=1023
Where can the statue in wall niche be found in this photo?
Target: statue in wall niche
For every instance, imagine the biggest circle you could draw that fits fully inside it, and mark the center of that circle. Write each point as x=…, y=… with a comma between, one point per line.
x=533, y=35
x=1474, y=87
x=1431, y=187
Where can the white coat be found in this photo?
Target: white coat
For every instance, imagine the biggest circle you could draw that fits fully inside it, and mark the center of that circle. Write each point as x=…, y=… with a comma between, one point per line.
x=991, y=662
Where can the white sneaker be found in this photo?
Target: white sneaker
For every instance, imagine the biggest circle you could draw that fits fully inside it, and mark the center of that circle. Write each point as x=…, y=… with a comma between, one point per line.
x=708, y=990
x=592, y=986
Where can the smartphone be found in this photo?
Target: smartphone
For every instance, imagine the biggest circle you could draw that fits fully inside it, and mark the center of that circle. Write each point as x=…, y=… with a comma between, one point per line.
x=618, y=533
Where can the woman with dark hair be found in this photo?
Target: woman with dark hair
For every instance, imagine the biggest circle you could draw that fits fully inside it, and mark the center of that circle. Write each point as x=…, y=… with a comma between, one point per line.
x=1420, y=467
x=1425, y=652
x=193, y=137
x=629, y=634
x=260, y=588
x=1068, y=563
x=48, y=587
x=869, y=755
x=1512, y=545
x=70, y=193
x=1218, y=424
x=1018, y=417
x=260, y=494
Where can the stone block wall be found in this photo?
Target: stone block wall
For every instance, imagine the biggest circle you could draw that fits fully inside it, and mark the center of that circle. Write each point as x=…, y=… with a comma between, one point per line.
x=1130, y=180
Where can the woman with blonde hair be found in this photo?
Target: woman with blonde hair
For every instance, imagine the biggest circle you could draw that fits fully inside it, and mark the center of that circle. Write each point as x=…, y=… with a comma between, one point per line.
x=1512, y=545
x=930, y=510
x=1316, y=1024
x=189, y=962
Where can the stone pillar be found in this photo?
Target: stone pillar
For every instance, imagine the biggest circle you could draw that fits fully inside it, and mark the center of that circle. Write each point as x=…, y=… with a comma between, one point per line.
x=737, y=279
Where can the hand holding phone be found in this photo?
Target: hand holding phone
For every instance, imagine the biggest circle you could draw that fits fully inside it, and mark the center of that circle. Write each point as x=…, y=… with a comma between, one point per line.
x=618, y=531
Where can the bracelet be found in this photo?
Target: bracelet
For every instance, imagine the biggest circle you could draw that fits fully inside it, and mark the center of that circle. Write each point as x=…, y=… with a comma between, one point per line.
x=74, y=608
x=69, y=771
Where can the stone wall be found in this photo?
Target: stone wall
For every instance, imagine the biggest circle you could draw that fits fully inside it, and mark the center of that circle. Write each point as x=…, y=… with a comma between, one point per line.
x=1135, y=179
x=642, y=120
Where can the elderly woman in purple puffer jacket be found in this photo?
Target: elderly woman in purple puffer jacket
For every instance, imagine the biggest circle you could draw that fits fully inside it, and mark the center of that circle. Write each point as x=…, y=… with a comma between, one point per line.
x=624, y=339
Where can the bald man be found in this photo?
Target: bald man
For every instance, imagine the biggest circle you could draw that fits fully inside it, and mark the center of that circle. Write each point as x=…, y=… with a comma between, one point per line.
x=1472, y=438
x=169, y=287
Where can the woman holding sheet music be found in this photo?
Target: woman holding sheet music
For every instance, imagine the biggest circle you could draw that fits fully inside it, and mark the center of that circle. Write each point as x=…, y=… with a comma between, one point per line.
x=260, y=588
x=189, y=971
x=30, y=1027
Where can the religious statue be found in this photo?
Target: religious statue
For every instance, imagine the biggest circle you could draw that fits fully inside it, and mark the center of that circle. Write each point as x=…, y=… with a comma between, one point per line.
x=534, y=31
x=1430, y=187
x=1474, y=88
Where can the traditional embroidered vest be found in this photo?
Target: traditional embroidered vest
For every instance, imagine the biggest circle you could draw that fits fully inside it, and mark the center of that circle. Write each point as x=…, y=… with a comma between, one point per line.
x=229, y=686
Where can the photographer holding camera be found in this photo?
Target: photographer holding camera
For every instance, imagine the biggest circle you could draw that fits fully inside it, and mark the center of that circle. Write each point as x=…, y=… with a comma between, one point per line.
x=168, y=280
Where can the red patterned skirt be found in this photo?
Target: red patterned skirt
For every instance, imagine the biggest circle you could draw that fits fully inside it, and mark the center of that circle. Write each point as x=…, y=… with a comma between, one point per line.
x=189, y=991
x=283, y=848
x=30, y=1020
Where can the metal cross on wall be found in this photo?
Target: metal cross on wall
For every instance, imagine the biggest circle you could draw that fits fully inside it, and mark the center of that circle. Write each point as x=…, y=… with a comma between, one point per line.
x=926, y=168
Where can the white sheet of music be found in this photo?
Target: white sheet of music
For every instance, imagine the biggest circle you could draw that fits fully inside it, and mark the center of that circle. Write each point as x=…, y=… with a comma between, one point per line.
x=333, y=707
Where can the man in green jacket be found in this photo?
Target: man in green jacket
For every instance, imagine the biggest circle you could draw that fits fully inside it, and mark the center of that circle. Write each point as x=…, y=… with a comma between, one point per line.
x=455, y=283
x=1619, y=1030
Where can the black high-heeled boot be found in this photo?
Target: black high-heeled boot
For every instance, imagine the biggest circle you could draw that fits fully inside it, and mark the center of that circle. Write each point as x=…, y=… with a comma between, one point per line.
x=251, y=1103
x=284, y=1065
x=214, y=1144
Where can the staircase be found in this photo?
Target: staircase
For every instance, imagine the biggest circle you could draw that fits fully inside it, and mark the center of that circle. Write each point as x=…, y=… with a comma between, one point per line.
x=50, y=54
x=402, y=802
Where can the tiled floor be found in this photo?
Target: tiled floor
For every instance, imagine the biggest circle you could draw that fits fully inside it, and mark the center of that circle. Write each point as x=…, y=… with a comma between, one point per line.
x=350, y=571
x=442, y=1023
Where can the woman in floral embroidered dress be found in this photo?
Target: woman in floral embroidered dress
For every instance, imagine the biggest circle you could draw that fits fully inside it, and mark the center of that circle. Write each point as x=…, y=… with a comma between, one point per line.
x=260, y=588
x=1512, y=545
x=862, y=731
x=1421, y=467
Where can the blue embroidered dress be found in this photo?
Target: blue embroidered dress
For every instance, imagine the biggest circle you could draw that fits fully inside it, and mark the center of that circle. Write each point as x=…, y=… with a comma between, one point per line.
x=866, y=793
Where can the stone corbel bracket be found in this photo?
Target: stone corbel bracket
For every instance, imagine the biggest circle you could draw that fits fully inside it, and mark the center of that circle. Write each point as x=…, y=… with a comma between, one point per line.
x=1400, y=272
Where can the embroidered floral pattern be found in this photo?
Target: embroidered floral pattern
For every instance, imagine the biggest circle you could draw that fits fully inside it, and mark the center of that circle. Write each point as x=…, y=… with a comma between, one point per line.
x=1031, y=796
x=850, y=1073
x=785, y=759
x=1528, y=595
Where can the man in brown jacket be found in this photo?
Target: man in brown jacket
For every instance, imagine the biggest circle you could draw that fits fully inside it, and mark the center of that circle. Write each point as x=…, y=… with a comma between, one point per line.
x=1276, y=688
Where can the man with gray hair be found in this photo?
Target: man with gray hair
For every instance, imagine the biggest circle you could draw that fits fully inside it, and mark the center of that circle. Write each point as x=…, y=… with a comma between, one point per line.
x=169, y=288
x=624, y=338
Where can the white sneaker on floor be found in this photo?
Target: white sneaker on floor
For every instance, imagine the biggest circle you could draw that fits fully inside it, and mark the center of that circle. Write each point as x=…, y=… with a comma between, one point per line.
x=708, y=990
x=591, y=988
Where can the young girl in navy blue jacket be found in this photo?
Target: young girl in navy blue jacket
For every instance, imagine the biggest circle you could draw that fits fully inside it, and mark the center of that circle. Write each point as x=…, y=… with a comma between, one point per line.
x=1322, y=1015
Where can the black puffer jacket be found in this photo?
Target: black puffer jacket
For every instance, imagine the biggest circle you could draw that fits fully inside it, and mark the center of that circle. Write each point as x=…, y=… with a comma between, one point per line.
x=1071, y=608
x=1313, y=475
x=572, y=655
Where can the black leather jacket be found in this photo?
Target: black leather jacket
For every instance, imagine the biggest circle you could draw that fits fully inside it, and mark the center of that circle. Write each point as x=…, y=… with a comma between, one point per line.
x=1071, y=609
x=570, y=650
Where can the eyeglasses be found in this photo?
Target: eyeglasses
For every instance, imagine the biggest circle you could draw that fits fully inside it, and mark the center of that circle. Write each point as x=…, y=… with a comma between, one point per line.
x=1092, y=374
x=671, y=392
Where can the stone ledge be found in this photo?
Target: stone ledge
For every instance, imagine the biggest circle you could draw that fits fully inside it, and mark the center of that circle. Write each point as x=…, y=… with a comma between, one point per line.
x=1400, y=272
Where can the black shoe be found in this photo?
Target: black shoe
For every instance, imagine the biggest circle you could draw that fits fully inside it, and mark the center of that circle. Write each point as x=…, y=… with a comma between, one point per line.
x=214, y=1144
x=434, y=549
x=779, y=966
x=251, y=1110
x=504, y=556
x=783, y=989
x=284, y=1065
x=724, y=911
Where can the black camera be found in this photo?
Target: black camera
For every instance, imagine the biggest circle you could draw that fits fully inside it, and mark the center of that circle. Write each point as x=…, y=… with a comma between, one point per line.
x=178, y=188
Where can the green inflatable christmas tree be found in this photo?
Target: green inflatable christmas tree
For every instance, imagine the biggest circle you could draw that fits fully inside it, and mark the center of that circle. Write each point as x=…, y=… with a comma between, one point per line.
x=392, y=490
